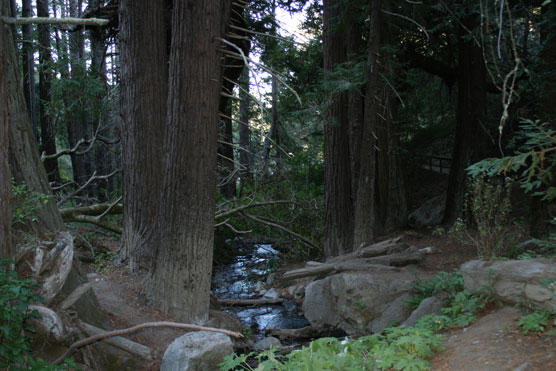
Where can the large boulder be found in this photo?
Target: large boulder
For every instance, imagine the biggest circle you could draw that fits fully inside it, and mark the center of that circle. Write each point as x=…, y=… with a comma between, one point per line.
x=514, y=281
x=359, y=302
x=197, y=351
x=428, y=306
x=428, y=214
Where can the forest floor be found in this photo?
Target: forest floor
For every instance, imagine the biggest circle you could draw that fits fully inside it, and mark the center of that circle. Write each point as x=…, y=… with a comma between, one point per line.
x=494, y=342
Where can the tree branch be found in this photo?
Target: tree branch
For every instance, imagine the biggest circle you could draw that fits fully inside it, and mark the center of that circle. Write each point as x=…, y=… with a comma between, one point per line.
x=58, y=21
x=278, y=226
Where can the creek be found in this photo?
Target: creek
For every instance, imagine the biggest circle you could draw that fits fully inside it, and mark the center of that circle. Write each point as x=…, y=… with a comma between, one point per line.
x=239, y=279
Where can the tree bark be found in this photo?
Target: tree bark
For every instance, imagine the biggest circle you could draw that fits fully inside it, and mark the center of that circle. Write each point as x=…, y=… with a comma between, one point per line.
x=25, y=164
x=48, y=129
x=390, y=189
x=5, y=177
x=337, y=172
x=28, y=64
x=364, y=222
x=144, y=90
x=472, y=137
x=181, y=276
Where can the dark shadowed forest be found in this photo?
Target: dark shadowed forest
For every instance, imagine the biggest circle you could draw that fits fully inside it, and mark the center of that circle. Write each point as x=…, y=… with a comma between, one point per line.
x=324, y=147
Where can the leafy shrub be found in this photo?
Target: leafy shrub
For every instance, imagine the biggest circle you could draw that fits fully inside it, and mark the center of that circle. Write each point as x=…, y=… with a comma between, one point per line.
x=443, y=284
x=490, y=208
x=26, y=204
x=532, y=165
x=401, y=348
x=15, y=297
x=535, y=321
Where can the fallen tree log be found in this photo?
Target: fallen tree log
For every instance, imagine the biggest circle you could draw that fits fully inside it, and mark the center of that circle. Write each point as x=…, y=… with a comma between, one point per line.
x=249, y=302
x=391, y=246
x=326, y=269
x=385, y=255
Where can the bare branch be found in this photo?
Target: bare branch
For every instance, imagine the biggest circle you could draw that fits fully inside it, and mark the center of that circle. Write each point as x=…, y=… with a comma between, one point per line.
x=282, y=228
x=74, y=150
x=92, y=178
x=58, y=21
x=238, y=209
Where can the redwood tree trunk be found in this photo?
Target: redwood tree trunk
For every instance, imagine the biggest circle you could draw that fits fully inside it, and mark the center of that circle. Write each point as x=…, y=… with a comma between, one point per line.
x=28, y=64
x=48, y=130
x=337, y=169
x=181, y=276
x=25, y=164
x=390, y=195
x=144, y=90
x=365, y=202
x=5, y=177
x=471, y=141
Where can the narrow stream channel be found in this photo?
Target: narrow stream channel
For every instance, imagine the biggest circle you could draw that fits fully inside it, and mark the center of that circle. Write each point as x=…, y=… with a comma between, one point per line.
x=238, y=281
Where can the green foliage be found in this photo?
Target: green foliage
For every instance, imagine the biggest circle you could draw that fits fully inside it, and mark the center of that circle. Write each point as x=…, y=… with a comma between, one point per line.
x=15, y=297
x=533, y=163
x=490, y=207
x=399, y=348
x=26, y=204
x=443, y=284
x=103, y=261
x=536, y=321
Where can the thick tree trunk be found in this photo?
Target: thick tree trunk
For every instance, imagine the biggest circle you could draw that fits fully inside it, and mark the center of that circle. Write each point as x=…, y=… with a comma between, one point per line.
x=181, y=276
x=337, y=172
x=365, y=202
x=144, y=89
x=471, y=141
x=5, y=177
x=48, y=130
x=25, y=164
x=28, y=64
x=390, y=190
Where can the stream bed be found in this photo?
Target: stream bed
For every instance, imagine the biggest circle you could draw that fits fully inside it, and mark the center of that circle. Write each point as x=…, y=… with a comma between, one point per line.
x=239, y=280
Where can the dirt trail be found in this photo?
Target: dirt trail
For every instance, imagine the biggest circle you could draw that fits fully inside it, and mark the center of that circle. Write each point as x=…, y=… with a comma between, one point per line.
x=495, y=343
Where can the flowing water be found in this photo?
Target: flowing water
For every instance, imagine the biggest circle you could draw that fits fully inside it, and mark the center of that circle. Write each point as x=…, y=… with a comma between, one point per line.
x=238, y=281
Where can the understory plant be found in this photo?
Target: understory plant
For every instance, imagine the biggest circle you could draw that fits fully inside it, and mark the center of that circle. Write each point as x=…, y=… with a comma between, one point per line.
x=536, y=321
x=15, y=297
x=532, y=165
x=490, y=208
